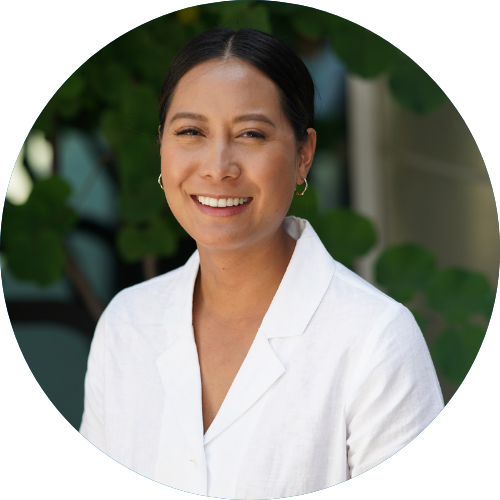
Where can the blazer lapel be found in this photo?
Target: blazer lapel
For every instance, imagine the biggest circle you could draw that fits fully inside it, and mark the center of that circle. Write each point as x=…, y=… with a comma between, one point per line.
x=180, y=374
x=304, y=284
x=306, y=280
x=302, y=288
x=260, y=369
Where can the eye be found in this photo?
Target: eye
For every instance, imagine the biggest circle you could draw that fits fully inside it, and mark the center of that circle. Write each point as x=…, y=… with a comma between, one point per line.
x=253, y=134
x=188, y=131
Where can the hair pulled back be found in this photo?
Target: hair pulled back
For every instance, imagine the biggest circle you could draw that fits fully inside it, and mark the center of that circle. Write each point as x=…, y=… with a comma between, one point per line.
x=267, y=53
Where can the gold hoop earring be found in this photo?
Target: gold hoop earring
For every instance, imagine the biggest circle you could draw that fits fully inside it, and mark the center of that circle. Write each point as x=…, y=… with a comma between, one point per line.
x=305, y=189
x=160, y=182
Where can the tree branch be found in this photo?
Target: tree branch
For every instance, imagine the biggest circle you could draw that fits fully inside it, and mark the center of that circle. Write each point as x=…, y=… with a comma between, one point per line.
x=92, y=303
x=149, y=266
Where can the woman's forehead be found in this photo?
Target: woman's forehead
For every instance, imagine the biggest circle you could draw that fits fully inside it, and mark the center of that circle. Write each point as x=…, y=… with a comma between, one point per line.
x=227, y=82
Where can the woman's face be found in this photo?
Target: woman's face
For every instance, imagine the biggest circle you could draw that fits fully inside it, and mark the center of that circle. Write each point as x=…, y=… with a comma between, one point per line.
x=226, y=140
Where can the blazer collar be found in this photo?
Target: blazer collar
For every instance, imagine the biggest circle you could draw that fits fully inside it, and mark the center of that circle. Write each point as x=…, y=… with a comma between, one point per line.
x=304, y=284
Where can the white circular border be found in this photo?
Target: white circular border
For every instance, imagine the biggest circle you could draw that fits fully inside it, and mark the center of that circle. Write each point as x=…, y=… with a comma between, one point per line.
x=43, y=43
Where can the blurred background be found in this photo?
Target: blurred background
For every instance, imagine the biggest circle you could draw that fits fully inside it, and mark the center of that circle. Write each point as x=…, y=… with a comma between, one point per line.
x=398, y=191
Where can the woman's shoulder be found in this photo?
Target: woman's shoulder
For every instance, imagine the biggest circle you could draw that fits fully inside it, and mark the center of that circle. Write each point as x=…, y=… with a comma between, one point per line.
x=359, y=303
x=148, y=290
x=153, y=294
x=355, y=284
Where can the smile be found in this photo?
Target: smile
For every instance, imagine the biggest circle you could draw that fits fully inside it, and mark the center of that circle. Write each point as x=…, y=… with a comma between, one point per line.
x=221, y=207
x=221, y=202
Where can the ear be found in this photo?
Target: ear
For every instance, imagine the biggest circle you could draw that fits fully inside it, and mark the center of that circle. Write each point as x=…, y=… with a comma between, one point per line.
x=306, y=155
x=159, y=137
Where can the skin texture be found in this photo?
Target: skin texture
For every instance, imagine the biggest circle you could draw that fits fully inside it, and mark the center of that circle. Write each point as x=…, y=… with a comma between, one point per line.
x=212, y=146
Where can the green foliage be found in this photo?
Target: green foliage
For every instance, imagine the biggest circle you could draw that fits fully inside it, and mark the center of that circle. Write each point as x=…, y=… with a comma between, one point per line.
x=414, y=89
x=241, y=14
x=455, y=350
x=305, y=207
x=115, y=92
x=345, y=234
x=463, y=301
x=156, y=238
x=364, y=53
x=404, y=269
x=32, y=233
x=459, y=294
x=310, y=23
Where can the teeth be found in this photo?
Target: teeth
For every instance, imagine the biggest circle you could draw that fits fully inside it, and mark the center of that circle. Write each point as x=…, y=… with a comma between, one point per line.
x=221, y=202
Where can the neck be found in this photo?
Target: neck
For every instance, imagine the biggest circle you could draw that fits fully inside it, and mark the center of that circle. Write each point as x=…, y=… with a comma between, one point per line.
x=240, y=282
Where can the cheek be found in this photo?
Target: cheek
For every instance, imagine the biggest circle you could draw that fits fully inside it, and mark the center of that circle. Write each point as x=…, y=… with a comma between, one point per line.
x=174, y=168
x=279, y=174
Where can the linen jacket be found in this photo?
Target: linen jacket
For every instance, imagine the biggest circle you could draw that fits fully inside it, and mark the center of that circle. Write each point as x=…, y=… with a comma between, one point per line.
x=338, y=379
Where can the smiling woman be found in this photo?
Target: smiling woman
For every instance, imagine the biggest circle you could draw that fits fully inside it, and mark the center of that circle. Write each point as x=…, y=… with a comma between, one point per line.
x=262, y=368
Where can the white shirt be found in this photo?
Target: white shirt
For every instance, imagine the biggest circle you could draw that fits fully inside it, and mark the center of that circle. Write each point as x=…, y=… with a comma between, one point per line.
x=338, y=379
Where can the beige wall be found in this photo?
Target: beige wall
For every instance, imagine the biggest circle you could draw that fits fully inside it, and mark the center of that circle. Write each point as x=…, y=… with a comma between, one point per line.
x=422, y=179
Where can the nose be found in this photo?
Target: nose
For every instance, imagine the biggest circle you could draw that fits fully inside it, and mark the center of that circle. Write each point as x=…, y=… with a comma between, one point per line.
x=220, y=163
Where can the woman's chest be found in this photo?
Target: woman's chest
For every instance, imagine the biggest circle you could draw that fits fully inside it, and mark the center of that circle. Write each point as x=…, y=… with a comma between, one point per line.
x=282, y=414
x=222, y=347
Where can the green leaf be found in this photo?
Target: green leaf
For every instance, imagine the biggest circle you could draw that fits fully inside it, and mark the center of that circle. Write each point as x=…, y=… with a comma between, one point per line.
x=305, y=207
x=189, y=15
x=109, y=81
x=227, y=8
x=455, y=350
x=46, y=119
x=421, y=321
x=113, y=128
x=157, y=239
x=242, y=14
x=310, y=23
x=139, y=109
x=46, y=208
x=142, y=202
x=49, y=196
x=52, y=192
x=73, y=87
x=364, y=53
x=36, y=257
x=283, y=9
x=139, y=160
x=414, y=89
x=67, y=99
x=345, y=234
x=404, y=269
x=458, y=294
x=22, y=219
x=161, y=238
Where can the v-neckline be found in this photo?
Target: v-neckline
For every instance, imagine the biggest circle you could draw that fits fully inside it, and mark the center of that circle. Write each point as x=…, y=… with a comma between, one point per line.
x=179, y=365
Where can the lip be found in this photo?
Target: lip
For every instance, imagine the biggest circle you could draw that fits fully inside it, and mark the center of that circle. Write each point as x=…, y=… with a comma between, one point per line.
x=220, y=211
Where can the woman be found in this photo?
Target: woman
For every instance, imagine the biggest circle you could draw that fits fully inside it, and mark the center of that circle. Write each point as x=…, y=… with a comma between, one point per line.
x=262, y=368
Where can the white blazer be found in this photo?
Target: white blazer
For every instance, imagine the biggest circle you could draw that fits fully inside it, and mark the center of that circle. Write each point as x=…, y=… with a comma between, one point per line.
x=338, y=379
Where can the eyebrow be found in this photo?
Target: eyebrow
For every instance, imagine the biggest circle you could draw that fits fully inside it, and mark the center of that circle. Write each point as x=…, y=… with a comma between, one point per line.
x=192, y=116
x=254, y=117
x=243, y=118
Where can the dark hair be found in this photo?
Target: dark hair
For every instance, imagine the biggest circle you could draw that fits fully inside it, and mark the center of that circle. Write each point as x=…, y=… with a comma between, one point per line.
x=267, y=53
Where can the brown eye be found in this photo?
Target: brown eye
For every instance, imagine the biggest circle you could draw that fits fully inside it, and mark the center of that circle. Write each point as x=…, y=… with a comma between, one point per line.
x=254, y=134
x=188, y=131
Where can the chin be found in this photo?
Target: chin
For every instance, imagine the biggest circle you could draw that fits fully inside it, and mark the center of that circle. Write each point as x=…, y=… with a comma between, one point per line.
x=218, y=237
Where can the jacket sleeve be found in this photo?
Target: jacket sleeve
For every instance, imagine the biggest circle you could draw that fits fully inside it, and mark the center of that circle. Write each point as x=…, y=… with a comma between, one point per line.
x=394, y=394
x=92, y=426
